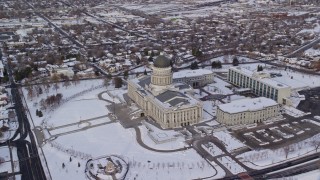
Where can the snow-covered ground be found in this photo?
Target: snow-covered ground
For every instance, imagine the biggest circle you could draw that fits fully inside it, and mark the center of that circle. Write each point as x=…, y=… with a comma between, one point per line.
x=258, y=159
x=312, y=175
x=5, y=165
x=230, y=142
x=161, y=139
x=212, y=149
x=230, y=164
x=113, y=139
x=34, y=103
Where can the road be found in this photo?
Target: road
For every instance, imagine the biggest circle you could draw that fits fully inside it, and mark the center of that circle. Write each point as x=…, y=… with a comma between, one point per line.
x=29, y=161
x=304, y=47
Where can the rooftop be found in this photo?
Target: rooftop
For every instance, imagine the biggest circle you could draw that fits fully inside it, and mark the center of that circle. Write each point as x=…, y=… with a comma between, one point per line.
x=191, y=73
x=169, y=98
x=247, y=105
x=162, y=62
x=263, y=78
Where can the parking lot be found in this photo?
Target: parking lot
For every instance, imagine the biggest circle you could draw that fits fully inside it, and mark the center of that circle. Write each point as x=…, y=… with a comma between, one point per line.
x=311, y=102
x=278, y=134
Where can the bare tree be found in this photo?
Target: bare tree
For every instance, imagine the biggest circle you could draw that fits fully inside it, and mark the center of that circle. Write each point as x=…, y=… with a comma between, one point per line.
x=286, y=150
x=316, y=143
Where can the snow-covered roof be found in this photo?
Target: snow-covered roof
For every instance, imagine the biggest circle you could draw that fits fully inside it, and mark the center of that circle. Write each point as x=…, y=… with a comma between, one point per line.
x=263, y=77
x=247, y=105
x=191, y=73
x=171, y=97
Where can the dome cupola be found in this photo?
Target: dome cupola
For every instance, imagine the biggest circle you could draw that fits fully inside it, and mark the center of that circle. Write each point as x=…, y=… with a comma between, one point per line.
x=161, y=62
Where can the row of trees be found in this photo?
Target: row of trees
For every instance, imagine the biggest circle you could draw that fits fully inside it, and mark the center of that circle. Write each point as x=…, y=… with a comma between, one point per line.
x=51, y=101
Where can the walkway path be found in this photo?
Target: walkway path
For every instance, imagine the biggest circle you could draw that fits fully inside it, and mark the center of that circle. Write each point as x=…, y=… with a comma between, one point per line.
x=81, y=121
x=82, y=129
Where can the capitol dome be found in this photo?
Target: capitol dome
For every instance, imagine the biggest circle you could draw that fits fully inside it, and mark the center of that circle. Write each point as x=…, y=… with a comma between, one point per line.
x=161, y=62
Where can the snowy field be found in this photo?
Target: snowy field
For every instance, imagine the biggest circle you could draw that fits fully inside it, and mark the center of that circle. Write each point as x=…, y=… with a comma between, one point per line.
x=161, y=139
x=312, y=175
x=68, y=93
x=212, y=149
x=265, y=158
x=229, y=142
x=230, y=164
x=113, y=139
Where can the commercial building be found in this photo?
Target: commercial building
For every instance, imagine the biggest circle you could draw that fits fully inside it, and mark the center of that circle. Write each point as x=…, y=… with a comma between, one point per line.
x=247, y=111
x=169, y=104
x=260, y=84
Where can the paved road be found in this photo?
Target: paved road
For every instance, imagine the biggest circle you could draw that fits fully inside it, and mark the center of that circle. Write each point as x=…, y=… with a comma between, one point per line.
x=313, y=165
x=304, y=47
x=29, y=161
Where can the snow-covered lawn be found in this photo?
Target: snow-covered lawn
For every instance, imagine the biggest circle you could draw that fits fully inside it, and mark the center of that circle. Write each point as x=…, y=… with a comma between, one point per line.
x=106, y=96
x=230, y=164
x=34, y=103
x=113, y=139
x=76, y=111
x=265, y=158
x=212, y=149
x=229, y=142
x=161, y=139
x=219, y=87
x=312, y=175
x=118, y=93
x=209, y=110
x=12, y=125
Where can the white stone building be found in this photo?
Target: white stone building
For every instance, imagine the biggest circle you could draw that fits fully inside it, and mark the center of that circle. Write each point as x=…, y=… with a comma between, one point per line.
x=169, y=104
x=195, y=78
x=260, y=84
x=247, y=111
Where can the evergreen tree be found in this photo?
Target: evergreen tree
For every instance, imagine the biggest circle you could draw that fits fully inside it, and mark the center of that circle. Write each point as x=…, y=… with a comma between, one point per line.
x=40, y=114
x=138, y=61
x=117, y=82
x=125, y=74
x=40, y=90
x=194, y=65
x=216, y=64
x=219, y=65
x=260, y=68
x=145, y=72
x=109, y=76
x=70, y=159
x=235, y=61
